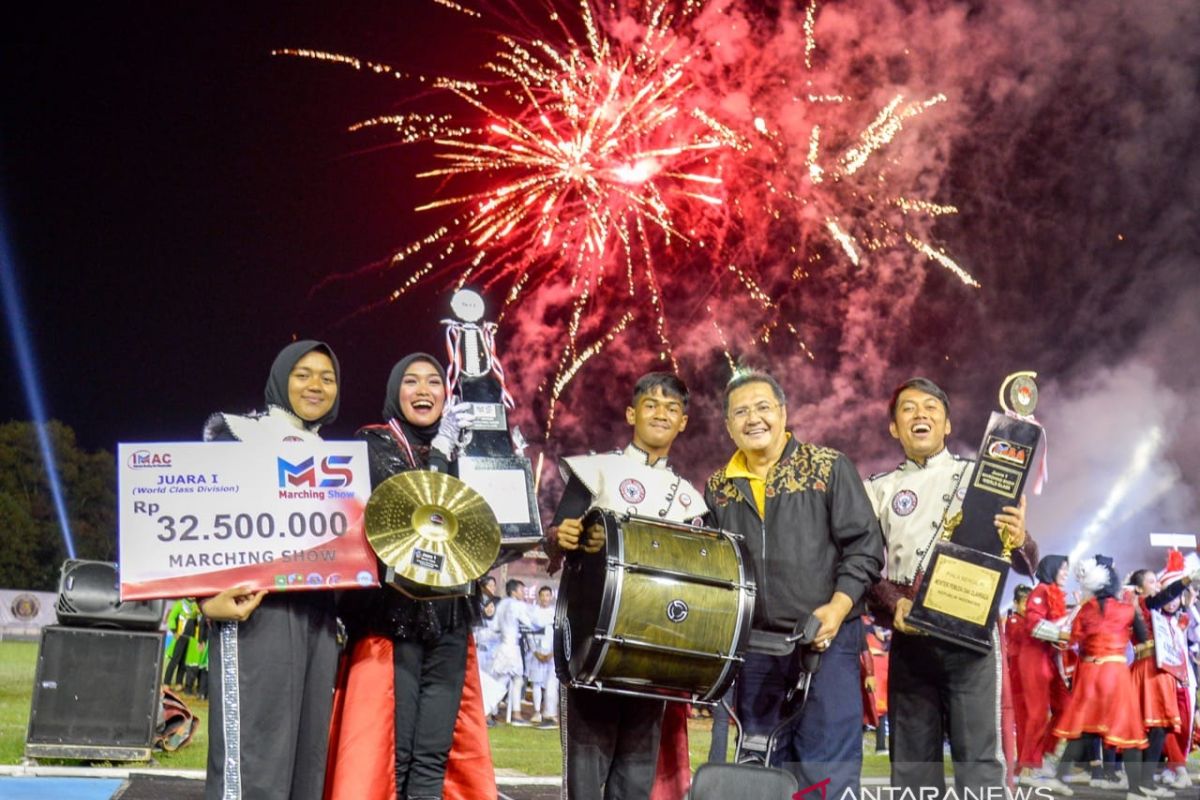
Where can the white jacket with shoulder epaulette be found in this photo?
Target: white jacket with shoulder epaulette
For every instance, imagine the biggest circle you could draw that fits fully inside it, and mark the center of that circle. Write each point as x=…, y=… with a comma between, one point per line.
x=912, y=502
x=625, y=483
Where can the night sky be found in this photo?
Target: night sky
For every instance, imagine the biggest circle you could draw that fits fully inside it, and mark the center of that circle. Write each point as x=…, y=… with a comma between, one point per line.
x=172, y=195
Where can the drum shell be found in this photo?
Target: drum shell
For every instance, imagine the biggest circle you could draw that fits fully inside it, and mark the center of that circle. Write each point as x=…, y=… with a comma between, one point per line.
x=666, y=611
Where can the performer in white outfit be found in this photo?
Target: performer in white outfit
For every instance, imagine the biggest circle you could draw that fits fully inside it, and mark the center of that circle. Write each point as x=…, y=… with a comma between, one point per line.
x=487, y=640
x=539, y=661
x=507, y=663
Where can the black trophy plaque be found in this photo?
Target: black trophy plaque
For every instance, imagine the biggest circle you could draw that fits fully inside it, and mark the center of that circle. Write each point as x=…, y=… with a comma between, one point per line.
x=959, y=596
x=490, y=461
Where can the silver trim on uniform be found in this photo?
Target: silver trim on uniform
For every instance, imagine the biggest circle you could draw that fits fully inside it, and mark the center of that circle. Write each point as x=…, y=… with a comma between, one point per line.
x=999, y=727
x=923, y=557
x=231, y=713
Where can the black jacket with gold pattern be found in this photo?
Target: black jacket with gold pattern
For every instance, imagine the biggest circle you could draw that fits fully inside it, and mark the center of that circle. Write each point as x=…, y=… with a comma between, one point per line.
x=820, y=534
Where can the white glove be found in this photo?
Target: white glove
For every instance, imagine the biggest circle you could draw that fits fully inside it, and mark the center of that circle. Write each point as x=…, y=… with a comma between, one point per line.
x=1194, y=579
x=456, y=420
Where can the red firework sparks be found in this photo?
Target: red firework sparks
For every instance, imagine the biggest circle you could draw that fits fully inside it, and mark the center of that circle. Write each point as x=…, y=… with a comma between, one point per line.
x=618, y=147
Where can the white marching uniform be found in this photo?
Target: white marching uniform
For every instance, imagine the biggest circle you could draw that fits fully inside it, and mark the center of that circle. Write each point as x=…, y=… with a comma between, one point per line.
x=511, y=614
x=622, y=482
x=911, y=502
x=541, y=641
x=936, y=690
x=611, y=741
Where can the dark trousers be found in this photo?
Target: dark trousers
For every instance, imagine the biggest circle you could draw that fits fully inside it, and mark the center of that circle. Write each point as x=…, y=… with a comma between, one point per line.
x=429, y=680
x=191, y=679
x=826, y=740
x=612, y=745
x=718, y=749
x=176, y=668
x=272, y=694
x=938, y=690
x=1139, y=766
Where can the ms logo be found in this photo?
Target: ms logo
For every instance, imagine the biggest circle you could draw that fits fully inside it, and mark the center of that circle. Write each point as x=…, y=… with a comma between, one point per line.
x=334, y=472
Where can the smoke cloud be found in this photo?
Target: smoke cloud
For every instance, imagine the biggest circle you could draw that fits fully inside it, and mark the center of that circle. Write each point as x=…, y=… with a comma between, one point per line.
x=1066, y=141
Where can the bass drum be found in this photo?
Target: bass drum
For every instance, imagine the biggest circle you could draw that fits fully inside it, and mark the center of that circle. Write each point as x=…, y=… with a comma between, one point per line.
x=664, y=611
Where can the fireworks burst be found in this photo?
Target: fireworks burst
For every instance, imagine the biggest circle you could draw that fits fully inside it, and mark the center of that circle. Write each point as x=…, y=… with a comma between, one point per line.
x=628, y=153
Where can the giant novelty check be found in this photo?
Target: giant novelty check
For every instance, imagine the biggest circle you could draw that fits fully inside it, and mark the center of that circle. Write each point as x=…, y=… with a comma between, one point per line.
x=196, y=518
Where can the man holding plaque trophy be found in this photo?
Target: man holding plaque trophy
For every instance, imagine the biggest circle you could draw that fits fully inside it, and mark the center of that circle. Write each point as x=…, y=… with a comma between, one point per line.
x=951, y=525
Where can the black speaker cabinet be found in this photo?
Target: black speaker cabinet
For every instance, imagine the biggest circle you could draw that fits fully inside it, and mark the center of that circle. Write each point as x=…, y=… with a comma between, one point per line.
x=89, y=595
x=96, y=694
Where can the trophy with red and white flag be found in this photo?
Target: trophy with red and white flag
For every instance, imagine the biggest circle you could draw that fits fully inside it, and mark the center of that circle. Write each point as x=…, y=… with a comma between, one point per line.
x=491, y=459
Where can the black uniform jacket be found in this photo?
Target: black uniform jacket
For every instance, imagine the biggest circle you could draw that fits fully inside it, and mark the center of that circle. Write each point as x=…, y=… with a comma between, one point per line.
x=820, y=534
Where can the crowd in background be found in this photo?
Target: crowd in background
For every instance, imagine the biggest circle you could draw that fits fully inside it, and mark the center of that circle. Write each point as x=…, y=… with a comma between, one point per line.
x=1080, y=674
x=186, y=655
x=1053, y=705
x=515, y=643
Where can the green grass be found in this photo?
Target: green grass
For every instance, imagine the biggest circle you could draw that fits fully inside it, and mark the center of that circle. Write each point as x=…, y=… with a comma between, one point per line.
x=530, y=751
x=17, y=663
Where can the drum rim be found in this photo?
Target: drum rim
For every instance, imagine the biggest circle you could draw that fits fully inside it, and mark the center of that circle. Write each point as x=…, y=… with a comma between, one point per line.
x=610, y=602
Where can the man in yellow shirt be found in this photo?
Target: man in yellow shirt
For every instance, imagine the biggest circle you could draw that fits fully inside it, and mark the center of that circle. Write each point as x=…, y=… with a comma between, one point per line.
x=815, y=543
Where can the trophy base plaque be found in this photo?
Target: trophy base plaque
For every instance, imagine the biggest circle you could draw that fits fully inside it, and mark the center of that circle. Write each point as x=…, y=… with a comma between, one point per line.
x=960, y=595
x=506, y=483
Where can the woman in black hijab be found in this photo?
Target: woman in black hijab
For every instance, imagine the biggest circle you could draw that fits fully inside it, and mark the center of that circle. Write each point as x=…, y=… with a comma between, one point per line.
x=273, y=658
x=301, y=396
x=427, y=639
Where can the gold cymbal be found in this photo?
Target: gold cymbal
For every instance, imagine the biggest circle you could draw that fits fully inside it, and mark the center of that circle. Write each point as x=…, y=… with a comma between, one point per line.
x=432, y=528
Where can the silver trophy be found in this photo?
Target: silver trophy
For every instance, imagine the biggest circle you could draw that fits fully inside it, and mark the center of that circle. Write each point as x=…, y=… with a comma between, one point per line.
x=491, y=459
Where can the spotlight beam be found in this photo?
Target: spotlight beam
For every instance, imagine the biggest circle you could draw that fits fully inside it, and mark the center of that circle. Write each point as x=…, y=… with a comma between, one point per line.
x=1103, y=517
x=14, y=312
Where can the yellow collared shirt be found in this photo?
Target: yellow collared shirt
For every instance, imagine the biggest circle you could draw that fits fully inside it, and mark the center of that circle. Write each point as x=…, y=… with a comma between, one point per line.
x=737, y=468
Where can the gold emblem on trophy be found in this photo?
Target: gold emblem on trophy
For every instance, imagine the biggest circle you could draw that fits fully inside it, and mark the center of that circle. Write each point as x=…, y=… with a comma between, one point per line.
x=1022, y=393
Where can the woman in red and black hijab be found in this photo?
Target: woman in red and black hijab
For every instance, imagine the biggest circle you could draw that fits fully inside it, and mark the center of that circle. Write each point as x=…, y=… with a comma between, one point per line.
x=417, y=651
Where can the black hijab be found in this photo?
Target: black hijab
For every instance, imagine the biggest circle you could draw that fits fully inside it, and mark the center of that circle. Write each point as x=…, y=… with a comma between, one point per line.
x=1048, y=567
x=417, y=434
x=281, y=370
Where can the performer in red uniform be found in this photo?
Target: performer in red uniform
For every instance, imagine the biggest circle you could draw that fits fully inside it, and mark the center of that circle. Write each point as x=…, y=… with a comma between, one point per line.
x=879, y=640
x=1016, y=632
x=1155, y=688
x=1160, y=670
x=1042, y=689
x=1102, y=702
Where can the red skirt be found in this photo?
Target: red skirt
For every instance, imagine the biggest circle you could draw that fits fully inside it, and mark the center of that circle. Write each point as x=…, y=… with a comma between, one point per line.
x=1155, y=690
x=1103, y=701
x=881, y=682
x=362, y=751
x=673, y=775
